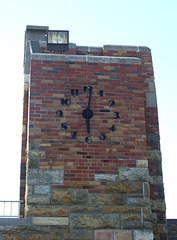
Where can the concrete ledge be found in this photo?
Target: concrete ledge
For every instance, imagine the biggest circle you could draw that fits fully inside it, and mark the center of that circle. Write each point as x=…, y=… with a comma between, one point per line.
x=104, y=48
x=38, y=28
x=126, y=48
x=88, y=49
x=85, y=58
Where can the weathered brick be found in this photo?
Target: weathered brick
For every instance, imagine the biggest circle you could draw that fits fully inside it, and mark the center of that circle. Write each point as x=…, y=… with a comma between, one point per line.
x=120, y=187
x=95, y=221
x=41, y=176
x=107, y=199
x=123, y=235
x=134, y=174
x=69, y=196
x=47, y=210
x=103, y=234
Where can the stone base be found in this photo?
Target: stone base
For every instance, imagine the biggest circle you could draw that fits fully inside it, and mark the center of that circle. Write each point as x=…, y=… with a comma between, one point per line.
x=33, y=228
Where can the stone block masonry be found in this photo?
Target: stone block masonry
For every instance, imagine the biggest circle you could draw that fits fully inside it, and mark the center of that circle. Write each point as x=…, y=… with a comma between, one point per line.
x=90, y=178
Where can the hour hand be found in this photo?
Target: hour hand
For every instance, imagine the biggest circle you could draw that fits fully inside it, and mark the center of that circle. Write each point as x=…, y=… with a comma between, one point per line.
x=87, y=114
x=90, y=94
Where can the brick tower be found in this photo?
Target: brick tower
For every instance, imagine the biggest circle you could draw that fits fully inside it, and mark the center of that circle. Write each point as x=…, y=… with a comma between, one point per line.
x=91, y=160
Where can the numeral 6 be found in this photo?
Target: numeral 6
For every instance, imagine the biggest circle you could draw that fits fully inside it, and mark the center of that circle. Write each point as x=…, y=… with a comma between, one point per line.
x=88, y=140
x=102, y=136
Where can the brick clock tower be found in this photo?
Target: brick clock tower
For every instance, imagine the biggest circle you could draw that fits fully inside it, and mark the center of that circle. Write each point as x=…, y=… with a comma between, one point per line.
x=91, y=160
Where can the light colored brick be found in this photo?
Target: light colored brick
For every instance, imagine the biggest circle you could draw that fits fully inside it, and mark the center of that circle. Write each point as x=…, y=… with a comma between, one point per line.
x=122, y=235
x=61, y=221
x=143, y=235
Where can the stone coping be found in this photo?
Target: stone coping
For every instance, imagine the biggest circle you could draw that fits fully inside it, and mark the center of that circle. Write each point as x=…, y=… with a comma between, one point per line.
x=37, y=28
x=107, y=47
x=126, y=48
x=110, y=47
x=85, y=58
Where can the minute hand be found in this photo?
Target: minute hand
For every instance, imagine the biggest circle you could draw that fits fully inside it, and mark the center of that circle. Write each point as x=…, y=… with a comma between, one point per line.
x=90, y=94
x=88, y=111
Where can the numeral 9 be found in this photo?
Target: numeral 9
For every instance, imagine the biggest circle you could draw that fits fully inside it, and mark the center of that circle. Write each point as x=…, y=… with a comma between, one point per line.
x=59, y=113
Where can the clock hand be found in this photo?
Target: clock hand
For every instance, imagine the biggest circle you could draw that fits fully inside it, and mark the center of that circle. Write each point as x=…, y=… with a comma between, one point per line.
x=88, y=113
x=88, y=125
x=90, y=94
x=88, y=110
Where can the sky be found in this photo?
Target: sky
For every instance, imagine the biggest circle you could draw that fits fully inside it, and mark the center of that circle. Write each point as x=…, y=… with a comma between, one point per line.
x=150, y=23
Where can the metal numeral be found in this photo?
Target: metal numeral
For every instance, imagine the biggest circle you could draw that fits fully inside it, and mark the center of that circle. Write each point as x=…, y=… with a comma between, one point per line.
x=111, y=103
x=64, y=126
x=85, y=88
x=112, y=128
x=116, y=116
x=102, y=136
x=74, y=92
x=74, y=135
x=104, y=110
x=88, y=140
x=66, y=101
x=59, y=113
x=101, y=93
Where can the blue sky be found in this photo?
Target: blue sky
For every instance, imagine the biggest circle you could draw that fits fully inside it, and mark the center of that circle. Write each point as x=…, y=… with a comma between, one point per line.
x=149, y=23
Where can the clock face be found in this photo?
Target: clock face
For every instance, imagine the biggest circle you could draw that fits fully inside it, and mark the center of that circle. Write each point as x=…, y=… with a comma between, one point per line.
x=89, y=113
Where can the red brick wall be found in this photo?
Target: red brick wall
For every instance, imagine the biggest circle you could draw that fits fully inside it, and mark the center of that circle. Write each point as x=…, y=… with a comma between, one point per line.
x=136, y=135
x=144, y=74
x=49, y=81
